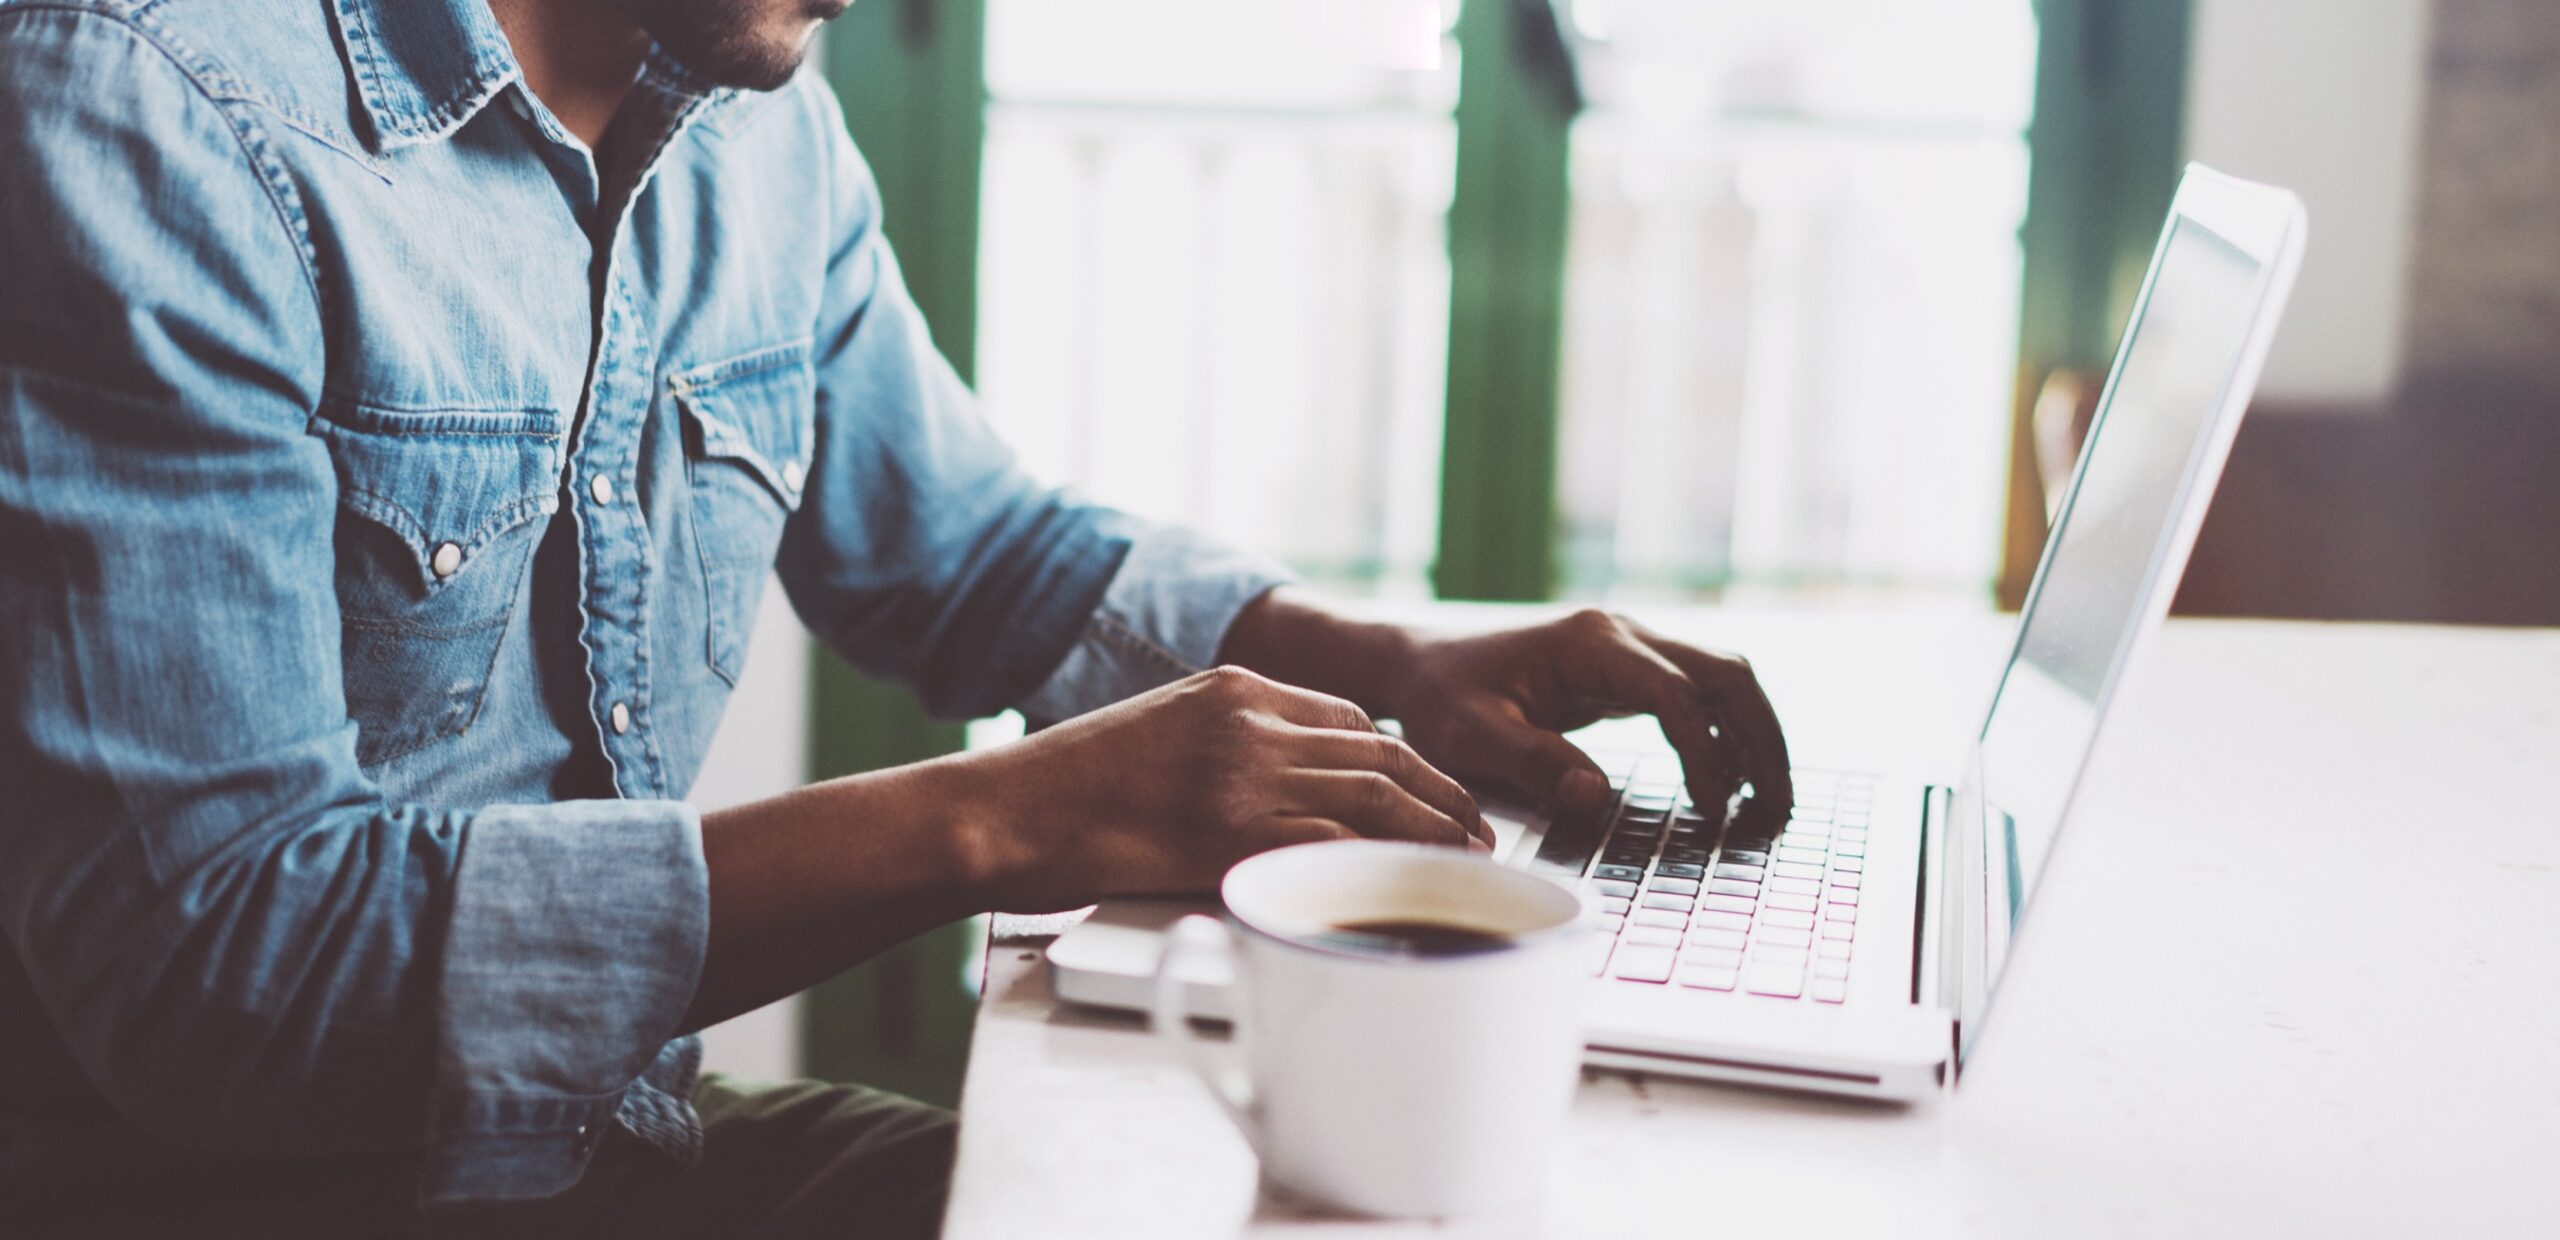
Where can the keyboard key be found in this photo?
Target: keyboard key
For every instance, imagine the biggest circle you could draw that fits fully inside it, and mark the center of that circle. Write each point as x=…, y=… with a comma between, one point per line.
x=1715, y=919
x=1790, y=900
x=1844, y=913
x=1677, y=904
x=1652, y=936
x=1734, y=887
x=1598, y=960
x=1655, y=803
x=1734, y=855
x=1608, y=924
x=1832, y=949
x=1783, y=936
x=1663, y=918
x=1850, y=865
x=1795, y=886
x=1638, y=858
x=1849, y=879
x=1747, y=873
x=1638, y=963
x=1839, y=931
x=1828, y=991
x=1724, y=940
x=1614, y=888
x=1680, y=869
x=1689, y=855
x=1676, y=886
x=1831, y=968
x=1771, y=953
x=1848, y=850
x=1797, y=869
x=1711, y=979
x=1620, y=873
x=1787, y=919
x=1714, y=958
x=1615, y=906
x=1843, y=895
x=1783, y=982
x=1726, y=904
x=1801, y=856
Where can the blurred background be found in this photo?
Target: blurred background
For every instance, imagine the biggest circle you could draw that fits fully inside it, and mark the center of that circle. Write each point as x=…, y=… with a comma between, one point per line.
x=1658, y=301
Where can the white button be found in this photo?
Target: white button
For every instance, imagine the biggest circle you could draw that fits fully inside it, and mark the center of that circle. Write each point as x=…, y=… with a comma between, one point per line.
x=791, y=475
x=621, y=719
x=601, y=487
x=448, y=557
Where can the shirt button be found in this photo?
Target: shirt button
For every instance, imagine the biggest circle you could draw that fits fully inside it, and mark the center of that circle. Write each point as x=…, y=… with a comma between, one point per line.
x=448, y=557
x=601, y=487
x=792, y=476
x=621, y=719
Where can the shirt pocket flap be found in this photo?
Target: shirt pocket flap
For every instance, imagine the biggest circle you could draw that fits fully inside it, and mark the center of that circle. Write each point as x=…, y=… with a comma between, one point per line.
x=754, y=411
x=447, y=483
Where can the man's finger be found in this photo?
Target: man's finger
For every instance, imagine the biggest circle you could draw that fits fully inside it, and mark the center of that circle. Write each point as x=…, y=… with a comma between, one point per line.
x=1537, y=765
x=1370, y=803
x=1283, y=830
x=1735, y=689
x=1310, y=709
x=1333, y=750
x=1620, y=668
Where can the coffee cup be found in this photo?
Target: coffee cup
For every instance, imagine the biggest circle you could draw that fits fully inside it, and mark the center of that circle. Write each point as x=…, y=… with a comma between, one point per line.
x=1409, y=1020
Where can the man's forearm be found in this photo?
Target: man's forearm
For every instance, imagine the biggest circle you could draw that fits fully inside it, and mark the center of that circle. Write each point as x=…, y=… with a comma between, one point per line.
x=1292, y=637
x=809, y=883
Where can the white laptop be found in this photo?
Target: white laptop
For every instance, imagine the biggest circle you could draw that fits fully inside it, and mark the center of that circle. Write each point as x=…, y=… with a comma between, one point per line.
x=1855, y=951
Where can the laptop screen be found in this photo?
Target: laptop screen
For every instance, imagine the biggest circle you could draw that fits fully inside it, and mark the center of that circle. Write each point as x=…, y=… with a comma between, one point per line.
x=2141, y=454
x=2099, y=580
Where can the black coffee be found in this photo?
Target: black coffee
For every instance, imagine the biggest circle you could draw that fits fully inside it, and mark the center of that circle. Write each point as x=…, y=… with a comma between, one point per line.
x=1413, y=937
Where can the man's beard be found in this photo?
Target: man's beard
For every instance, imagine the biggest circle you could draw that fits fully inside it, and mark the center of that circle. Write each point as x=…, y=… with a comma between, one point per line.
x=749, y=44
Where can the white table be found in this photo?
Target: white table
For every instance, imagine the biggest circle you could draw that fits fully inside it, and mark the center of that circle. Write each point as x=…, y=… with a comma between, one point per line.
x=2295, y=970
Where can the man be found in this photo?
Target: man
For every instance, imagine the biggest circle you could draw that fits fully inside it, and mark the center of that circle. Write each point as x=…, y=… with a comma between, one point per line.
x=402, y=403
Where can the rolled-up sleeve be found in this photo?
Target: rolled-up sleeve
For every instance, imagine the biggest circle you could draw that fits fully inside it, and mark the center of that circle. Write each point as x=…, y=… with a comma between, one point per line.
x=1162, y=618
x=240, y=939
x=926, y=554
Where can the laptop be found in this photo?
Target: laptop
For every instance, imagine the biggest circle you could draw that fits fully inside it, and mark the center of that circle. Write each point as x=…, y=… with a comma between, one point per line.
x=1855, y=950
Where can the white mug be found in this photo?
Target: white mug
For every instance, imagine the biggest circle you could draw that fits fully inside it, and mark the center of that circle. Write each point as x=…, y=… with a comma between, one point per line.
x=1387, y=1083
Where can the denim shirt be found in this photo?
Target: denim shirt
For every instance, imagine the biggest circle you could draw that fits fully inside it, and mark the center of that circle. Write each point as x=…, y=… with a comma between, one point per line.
x=387, y=486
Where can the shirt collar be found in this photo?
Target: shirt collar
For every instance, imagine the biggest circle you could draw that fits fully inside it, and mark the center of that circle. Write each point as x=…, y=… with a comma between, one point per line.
x=423, y=67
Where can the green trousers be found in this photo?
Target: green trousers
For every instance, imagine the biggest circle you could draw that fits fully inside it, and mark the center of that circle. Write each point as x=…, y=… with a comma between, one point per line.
x=780, y=1161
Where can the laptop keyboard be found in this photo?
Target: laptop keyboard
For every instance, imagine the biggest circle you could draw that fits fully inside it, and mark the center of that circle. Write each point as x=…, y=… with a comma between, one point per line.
x=1681, y=899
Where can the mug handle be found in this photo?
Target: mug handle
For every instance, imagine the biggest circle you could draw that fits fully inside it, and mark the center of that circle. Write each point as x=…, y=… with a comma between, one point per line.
x=1196, y=935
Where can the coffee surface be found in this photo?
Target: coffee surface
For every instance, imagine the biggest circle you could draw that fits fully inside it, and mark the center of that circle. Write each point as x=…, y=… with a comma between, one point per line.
x=1413, y=937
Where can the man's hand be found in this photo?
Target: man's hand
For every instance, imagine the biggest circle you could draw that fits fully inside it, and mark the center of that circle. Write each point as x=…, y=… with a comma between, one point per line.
x=1166, y=790
x=1491, y=707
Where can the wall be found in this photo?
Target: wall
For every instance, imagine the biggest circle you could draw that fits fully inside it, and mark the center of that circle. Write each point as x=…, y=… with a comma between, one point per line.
x=2443, y=506
x=2323, y=97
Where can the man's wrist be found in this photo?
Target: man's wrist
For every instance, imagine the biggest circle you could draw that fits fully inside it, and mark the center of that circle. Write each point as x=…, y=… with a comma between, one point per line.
x=1290, y=636
x=988, y=850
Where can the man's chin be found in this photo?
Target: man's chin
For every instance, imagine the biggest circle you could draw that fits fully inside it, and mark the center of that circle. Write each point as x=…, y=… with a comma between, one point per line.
x=745, y=63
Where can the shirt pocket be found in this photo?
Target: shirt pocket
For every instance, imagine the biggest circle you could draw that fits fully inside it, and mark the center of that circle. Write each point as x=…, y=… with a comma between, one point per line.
x=748, y=425
x=438, y=514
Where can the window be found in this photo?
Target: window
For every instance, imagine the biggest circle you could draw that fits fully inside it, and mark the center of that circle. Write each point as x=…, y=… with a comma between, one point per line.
x=1792, y=293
